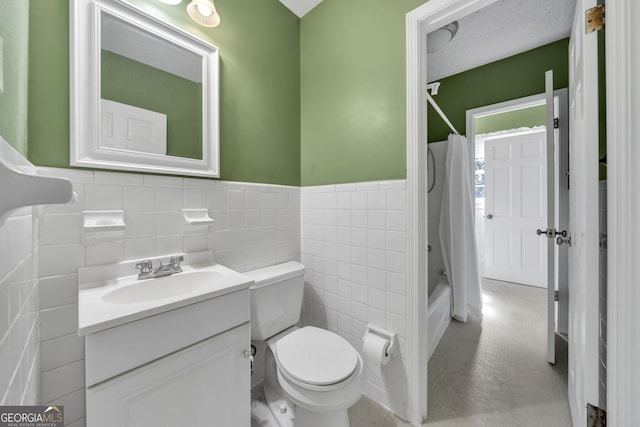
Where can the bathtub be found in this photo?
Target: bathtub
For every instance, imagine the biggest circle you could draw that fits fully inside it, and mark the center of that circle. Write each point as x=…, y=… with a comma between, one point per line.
x=439, y=313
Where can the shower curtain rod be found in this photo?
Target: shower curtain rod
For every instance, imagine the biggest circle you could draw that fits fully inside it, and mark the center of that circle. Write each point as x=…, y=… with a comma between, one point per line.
x=434, y=87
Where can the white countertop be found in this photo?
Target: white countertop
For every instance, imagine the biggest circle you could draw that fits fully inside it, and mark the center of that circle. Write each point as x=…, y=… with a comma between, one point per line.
x=96, y=313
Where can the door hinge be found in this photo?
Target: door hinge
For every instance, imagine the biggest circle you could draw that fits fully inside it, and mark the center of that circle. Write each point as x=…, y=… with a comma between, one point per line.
x=555, y=295
x=556, y=123
x=596, y=417
x=594, y=19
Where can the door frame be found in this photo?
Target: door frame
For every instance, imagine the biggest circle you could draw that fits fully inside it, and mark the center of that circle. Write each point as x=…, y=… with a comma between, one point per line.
x=622, y=38
x=623, y=94
x=623, y=206
x=422, y=20
x=561, y=97
x=486, y=110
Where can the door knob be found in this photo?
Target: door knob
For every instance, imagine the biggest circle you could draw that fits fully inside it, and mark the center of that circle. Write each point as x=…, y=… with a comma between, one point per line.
x=560, y=241
x=552, y=233
x=489, y=216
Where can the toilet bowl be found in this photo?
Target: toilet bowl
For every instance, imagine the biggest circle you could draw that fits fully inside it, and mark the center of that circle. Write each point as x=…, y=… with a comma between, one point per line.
x=318, y=371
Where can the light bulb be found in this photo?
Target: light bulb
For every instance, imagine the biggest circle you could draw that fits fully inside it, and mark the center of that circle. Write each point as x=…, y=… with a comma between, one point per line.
x=204, y=10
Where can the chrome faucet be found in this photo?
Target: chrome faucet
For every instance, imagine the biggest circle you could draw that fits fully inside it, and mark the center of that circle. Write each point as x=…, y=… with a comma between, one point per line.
x=147, y=271
x=145, y=267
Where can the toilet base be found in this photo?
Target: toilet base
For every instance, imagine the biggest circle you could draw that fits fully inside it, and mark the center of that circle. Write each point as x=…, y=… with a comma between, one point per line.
x=326, y=408
x=305, y=418
x=297, y=416
x=281, y=408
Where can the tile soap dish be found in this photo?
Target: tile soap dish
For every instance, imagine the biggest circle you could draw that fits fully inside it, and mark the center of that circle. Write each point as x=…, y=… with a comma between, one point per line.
x=103, y=220
x=197, y=217
x=103, y=225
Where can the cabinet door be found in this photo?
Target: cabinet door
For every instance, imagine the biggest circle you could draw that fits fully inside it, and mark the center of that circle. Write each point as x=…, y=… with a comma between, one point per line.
x=206, y=384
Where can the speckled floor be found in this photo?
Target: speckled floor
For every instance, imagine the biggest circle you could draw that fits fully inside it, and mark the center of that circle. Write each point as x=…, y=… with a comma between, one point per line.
x=492, y=372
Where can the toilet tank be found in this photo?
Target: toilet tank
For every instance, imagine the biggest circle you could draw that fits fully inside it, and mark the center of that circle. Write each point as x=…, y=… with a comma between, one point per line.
x=276, y=298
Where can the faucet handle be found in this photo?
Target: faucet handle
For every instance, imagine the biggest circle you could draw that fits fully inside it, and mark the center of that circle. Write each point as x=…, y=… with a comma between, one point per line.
x=145, y=266
x=175, y=263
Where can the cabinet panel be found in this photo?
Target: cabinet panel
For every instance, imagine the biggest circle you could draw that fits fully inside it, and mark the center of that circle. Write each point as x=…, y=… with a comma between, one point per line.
x=207, y=384
x=116, y=350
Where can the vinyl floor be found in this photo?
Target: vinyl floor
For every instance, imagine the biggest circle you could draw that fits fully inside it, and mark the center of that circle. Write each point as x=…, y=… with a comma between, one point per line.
x=492, y=372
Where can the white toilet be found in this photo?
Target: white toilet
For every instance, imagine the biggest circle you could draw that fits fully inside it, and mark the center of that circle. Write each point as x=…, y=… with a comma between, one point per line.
x=316, y=370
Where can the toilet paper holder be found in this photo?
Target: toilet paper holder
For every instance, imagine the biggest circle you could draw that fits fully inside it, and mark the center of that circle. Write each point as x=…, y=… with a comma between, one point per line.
x=382, y=333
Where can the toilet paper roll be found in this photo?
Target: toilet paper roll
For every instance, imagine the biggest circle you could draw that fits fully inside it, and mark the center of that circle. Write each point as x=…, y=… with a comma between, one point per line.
x=375, y=355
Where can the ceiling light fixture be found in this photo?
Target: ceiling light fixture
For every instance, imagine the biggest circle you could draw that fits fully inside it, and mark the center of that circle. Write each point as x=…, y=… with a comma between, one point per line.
x=204, y=13
x=439, y=38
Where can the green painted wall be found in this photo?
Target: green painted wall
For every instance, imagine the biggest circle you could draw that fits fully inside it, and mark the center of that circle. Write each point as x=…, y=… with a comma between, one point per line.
x=525, y=117
x=300, y=104
x=511, y=78
x=353, y=110
x=353, y=80
x=259, y=96
x=134, y=83
x=14, y=31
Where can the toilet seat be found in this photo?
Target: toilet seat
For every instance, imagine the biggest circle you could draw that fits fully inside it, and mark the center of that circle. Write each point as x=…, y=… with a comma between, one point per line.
x=315, y=358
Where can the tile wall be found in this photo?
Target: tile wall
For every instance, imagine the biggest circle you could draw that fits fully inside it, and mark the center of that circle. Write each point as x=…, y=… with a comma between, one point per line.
x=19, y=333
x=354, y=250
x=255, y=226
x=352, y=240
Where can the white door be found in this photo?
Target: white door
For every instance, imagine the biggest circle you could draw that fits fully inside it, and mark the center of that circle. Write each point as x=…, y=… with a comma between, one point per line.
x=515, y=207
x=125, y=127
x=583, y=217
x=204, y=385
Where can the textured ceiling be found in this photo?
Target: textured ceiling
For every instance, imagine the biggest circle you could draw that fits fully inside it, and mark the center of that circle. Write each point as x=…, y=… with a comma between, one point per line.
x=503, y=29
x=300, y=7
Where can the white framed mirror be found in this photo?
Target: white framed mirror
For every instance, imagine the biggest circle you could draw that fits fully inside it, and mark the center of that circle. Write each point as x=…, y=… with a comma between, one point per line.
x=144, y=93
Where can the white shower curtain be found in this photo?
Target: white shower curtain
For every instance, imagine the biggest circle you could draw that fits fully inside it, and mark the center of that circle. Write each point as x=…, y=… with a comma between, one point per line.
x=457, y=234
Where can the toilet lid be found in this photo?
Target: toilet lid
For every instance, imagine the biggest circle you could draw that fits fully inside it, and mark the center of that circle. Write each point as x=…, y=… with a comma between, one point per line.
x=316, y=356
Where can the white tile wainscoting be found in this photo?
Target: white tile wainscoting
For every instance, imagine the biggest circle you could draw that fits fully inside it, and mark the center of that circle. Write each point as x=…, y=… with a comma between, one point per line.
x=354, y=249
x=255, y=225
x=352, y=238
x=19, y=332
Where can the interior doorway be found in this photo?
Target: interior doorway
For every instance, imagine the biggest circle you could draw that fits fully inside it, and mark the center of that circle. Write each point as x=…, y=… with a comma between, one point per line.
x=424, y=20
x=509, y=173
x=511, y=191
x=510, y=200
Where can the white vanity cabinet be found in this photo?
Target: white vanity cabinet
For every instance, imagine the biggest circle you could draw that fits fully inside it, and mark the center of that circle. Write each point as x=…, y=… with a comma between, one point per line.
x=188, y=366
x=206, y=384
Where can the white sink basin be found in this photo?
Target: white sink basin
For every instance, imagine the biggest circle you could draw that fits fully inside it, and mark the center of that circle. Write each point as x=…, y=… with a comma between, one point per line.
x=105, y=303
x=184, y=283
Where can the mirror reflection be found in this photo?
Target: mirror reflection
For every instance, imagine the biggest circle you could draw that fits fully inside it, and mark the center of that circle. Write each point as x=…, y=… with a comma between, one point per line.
x=151, y=93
